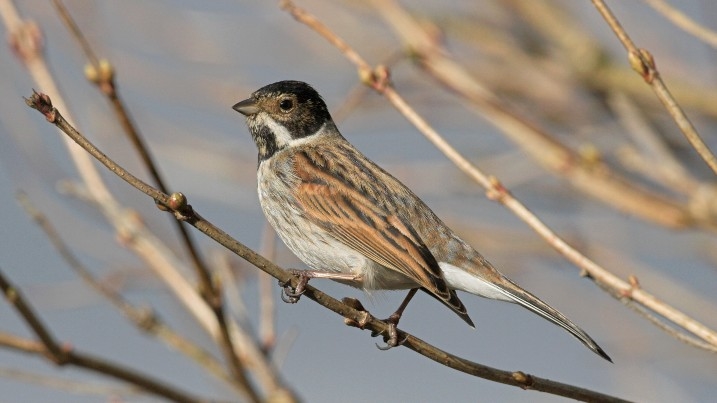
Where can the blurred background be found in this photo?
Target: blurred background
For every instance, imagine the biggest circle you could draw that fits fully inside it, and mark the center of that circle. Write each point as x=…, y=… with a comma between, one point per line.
x=181, y=65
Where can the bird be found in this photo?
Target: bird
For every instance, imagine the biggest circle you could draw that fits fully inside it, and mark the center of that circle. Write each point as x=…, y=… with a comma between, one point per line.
x=351, y=221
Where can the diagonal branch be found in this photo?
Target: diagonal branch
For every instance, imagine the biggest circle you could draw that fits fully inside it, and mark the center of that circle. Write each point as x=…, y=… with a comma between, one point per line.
x=26, y=41
x=101, y=73
x=590, y=176
x=65, y=355
x=643, y=63
x=143, y=318
x=618, y=288
x=684, y=22
x=177, y=204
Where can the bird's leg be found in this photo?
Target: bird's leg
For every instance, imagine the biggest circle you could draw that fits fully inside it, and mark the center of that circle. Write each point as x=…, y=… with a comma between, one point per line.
x=392, y=340
x=291, y=294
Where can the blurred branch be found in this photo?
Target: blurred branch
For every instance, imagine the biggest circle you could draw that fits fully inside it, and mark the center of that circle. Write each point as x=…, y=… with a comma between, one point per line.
x=358, y=92
x=656, y=159
x=682, y=21
x=642, y=61
x=588, y=174
x=144, y=319
x=676, y=333
x=69, y=385
x=66, y=355
x=267, y=309
x=378, y=80
x=592, y=62
x=177, y=204
x=55, y=352
x=603, y=78
x=26, y=41
x=102, y=74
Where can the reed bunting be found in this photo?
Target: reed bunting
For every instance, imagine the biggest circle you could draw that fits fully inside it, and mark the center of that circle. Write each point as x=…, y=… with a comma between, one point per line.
x=352, y=222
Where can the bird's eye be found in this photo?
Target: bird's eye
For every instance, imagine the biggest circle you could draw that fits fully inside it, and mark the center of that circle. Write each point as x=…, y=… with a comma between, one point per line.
x=286, y=104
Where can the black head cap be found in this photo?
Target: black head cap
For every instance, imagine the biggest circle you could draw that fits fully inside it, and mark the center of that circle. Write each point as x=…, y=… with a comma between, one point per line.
x=282, y=111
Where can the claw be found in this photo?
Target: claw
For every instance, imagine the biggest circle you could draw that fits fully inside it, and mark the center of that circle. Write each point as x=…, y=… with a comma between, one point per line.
x=293, y=292
x=392, y=339
x=290, y=294
x=287, y=296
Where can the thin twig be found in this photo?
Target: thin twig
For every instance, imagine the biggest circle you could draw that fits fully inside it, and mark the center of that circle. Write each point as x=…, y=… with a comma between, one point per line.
x=177, y=204
x=691, y=341
x=378, y=80
x=593, y=63
x=684, y=22
x=359, y=91
x=56, y=353
x=143, y=318
x=76, y=32
x=267, y=309
x=69, y=385
x=590, y=175
x=65, y=355
x=600, y=74
x=26, y=41
x=660, y=162
x=643, y=63
x=102, y=74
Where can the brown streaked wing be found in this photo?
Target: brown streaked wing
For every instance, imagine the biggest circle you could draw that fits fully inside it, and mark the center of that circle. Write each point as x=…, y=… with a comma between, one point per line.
x=331, y=201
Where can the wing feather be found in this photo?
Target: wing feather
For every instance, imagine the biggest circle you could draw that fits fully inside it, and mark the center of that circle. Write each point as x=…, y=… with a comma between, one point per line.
x=332, y=199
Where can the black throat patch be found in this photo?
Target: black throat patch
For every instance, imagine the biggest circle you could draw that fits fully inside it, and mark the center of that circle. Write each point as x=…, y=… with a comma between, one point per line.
x=265, y=142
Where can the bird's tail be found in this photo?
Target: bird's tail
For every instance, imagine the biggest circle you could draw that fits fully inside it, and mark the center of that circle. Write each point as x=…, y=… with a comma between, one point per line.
x=472, y=279
x=533, y=303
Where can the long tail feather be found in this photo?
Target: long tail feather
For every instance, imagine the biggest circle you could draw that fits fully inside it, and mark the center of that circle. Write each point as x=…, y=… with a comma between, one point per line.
x=534, y=304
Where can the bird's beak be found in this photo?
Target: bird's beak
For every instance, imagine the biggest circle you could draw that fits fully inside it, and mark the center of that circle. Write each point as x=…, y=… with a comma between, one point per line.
x=246, y=107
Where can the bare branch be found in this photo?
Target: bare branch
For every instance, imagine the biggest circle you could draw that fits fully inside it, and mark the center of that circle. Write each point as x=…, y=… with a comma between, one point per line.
x=177, y=204
x=143, y=318
x=65, y=355
x=684, y=22
x=102, y=74
x=642, y=61
x=378, y=80
x=267, y=315
x=26, y=40
x=588, y=174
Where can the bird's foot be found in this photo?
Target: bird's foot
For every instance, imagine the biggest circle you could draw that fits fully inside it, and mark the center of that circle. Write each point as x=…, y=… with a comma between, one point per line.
x=291, y=294
x=391, y=334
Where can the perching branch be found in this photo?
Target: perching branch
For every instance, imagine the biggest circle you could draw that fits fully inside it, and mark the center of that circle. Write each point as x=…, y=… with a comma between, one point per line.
x=178, y=205
x=378, y=79
x=26, y=41
x=101, y=73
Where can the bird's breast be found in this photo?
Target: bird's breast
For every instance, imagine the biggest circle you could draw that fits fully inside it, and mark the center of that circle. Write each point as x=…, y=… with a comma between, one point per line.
x=310, y=243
